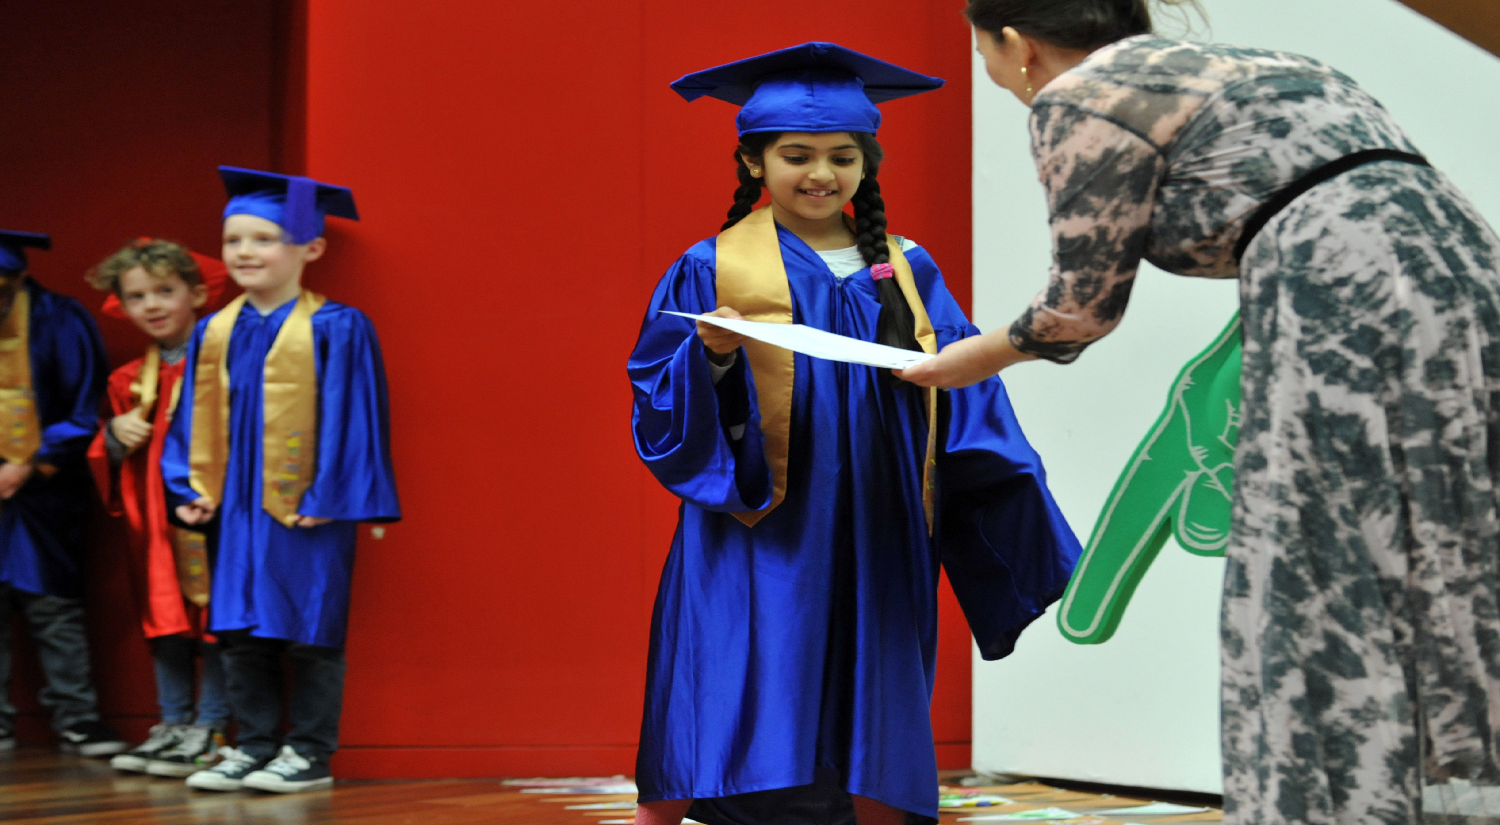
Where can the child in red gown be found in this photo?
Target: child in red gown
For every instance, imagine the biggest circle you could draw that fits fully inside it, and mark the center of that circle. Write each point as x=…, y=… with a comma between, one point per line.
x=160, y=286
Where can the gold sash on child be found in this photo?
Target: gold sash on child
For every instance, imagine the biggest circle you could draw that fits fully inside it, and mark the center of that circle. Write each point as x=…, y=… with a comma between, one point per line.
x=291, y=409
x=751, y=278
x=146, y=385
x=190, y=550
x=20, y=432
x=188, y=546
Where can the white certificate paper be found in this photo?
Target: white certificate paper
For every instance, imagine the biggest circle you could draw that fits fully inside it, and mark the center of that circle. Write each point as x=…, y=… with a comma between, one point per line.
x=816, y=342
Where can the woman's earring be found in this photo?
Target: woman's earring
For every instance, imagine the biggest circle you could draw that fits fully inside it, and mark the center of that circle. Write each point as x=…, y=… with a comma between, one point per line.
x=1029, y=92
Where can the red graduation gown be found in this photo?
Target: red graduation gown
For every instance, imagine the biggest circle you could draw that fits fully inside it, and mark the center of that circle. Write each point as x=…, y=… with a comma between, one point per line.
x=138, y=494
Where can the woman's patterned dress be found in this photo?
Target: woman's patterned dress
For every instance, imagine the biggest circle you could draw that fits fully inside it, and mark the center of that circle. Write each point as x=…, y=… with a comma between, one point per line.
x=1360, y=635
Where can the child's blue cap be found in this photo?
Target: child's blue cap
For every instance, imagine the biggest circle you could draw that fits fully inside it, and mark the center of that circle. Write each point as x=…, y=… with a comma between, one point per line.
x=294, y=203
x=13, y=249
x=814, y=87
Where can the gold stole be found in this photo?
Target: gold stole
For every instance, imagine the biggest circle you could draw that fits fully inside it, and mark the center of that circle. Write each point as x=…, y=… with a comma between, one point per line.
x=189, y=549
x=20, y=432
x=751, y=278
x=289, y=447
x=147, y=384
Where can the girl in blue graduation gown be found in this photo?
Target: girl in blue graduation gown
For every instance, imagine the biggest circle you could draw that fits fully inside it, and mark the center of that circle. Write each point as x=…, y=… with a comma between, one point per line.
x=793, y=638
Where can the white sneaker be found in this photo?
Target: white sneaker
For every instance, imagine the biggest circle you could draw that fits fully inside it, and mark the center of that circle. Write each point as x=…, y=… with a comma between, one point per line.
x=197, y=749
x=290, y=772
x=229, y=774
x=162, y=738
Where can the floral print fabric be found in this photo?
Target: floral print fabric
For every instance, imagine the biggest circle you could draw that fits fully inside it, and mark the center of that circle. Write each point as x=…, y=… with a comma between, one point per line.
x=1161, y=150
x=1360, y=628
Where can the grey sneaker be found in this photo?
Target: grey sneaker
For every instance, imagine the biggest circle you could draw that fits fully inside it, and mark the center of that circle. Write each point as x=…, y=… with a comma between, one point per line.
x=291, y=772
x=229, y=774
x=7, y=739
x=91, y=739
x=197, y=749
x=163, y=737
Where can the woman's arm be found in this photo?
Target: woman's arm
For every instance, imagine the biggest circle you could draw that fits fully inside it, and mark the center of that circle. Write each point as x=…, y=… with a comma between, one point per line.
x=967, y=362
x=1101, y=180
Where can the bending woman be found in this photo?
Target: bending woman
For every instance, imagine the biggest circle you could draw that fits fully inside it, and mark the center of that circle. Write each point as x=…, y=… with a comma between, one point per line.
x=1360, y=628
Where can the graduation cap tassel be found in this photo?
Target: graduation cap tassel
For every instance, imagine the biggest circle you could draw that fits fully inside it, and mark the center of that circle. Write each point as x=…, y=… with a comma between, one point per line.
x=300, y=217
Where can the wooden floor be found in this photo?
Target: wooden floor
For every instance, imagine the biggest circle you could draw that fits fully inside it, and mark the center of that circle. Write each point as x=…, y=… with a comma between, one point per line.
x=37, y=785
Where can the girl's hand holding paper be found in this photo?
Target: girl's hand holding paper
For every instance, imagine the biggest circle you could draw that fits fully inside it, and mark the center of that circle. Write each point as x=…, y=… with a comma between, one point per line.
x=717, y=339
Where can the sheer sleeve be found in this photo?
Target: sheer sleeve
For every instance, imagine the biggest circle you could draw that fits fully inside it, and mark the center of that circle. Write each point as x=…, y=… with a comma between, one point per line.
x=1100, y=179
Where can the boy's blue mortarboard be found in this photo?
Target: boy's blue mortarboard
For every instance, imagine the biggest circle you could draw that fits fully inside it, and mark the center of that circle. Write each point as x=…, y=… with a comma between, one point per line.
x=13, y=249
x=294, y=203
x=814, y=87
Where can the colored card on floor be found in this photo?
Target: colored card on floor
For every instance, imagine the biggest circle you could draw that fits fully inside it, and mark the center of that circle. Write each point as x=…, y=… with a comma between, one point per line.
x=971, y=800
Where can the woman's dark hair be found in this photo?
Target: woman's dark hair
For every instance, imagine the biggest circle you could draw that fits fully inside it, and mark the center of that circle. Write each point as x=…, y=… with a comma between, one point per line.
x=896, y=327
x=1069, y=24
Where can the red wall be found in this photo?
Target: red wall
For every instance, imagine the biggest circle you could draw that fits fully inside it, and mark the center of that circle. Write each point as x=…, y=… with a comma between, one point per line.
x=526, y=176
x=115, y=116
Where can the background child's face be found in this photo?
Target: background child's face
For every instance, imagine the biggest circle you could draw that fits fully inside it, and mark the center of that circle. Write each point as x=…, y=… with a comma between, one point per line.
x=258, y=257
x=813, y=175
x=164, y=308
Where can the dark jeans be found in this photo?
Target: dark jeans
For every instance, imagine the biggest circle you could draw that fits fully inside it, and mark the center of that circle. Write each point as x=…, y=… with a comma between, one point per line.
x=56, y=626
x=176, y=661
x=256, y=684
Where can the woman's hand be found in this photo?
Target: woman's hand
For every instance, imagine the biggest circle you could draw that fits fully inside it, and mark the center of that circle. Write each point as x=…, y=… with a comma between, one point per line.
x=131, y=429
x=199, y=511
x=966, y=362
x=718, y=340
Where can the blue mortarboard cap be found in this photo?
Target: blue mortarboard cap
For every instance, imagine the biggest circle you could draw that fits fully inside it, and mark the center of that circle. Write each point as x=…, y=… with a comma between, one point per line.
x=13, y=248
x=296, y=204
x=814, y=87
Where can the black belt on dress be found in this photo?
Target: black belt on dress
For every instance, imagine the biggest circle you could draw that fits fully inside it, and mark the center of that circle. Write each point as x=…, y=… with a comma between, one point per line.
x=1293, y=190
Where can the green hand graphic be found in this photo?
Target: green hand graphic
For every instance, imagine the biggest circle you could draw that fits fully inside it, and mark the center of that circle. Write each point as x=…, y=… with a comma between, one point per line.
x=1178, y=482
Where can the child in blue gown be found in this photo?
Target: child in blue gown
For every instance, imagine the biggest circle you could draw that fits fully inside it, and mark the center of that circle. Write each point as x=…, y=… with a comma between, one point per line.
x=794, y=632
x=52, y=374
x=280, y=447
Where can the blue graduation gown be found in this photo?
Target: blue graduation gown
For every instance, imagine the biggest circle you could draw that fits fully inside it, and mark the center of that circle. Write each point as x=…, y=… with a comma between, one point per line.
x=283, y=582
x=809, y=639
x=41, y=526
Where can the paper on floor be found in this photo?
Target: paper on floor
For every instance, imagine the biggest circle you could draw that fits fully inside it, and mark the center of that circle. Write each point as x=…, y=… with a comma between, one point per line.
x=1154, y=809
x=619, y=787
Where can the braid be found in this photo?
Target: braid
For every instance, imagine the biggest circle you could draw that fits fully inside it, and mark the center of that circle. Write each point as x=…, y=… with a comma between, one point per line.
x=748, y=194
x=869, y=221
x=896, y=327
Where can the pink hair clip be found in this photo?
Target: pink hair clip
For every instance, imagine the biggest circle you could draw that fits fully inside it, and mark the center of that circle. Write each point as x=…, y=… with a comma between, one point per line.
x=880, y=272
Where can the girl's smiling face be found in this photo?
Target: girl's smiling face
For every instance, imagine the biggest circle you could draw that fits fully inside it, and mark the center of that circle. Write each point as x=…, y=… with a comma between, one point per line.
x=810, y=175
x=164, y=308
